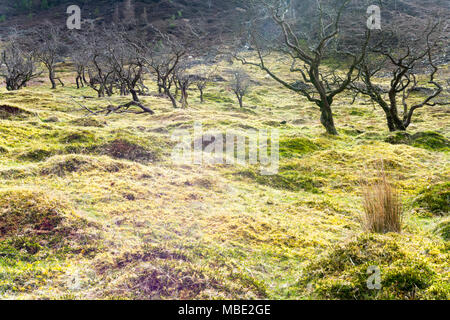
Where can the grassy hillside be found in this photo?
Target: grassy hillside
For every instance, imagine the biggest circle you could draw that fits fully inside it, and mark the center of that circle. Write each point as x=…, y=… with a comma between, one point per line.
x=94, y=207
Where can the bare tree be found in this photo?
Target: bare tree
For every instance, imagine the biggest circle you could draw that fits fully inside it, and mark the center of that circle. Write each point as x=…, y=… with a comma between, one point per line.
x=202, y=77
x=47, y=46
x=240, y=84
x=184, y=78
x=100, y=71
x=163, y=59
x=116, y=62
x=404, y=60
x=17, y=66
x=307, y=50
x=80, y=56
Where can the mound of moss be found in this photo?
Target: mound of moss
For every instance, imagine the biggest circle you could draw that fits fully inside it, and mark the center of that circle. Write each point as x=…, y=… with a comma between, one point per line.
x=426, y=140
x=435, y=198
x=406, y=272
x=290, y=147
x=288, y=179
x=160, y=273
x=88, y=122
x=8, y=112
x=65, y=164
x=31, y=212
x=125, y=149
x=399, y=137
x=217, y=98
x=77, y=137
x=38, y=154
x=431, y=140
x=443, y=229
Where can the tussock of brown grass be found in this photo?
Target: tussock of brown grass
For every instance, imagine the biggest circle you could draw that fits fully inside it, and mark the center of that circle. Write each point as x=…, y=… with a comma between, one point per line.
x=383, y=210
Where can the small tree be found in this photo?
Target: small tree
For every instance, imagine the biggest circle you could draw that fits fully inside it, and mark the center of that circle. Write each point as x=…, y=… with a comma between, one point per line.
x=185, y=79
x=404, y=61
x=307, y=35
x=116, y=14
x=163, y=59
x=47, y=46
x=129, y=12
x=101, y=73
x=201, y=83
x=80, y=57
x=18, y=67
x=126, y=62
x=202, y=77
x=240, y=84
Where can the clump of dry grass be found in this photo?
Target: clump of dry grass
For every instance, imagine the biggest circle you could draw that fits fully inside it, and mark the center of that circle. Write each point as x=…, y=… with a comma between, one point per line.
x=383, y=210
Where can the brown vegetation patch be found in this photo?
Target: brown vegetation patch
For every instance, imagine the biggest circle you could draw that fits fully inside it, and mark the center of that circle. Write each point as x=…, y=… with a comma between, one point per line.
x=30, y=212
x=170, y=281
x=8, y=112
x=88, y=122
x=62, y=165
x=123, y=149
x=382, y=206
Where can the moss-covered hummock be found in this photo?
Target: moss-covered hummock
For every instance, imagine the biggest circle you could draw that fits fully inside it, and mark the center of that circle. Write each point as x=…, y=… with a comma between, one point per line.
x=435, y=198
x=443, y=229
x=429, y=140
x=31, y=212
x=409, y=269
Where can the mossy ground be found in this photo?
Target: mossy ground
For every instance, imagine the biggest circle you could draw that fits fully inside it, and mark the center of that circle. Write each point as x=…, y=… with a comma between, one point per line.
x=144, y=227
